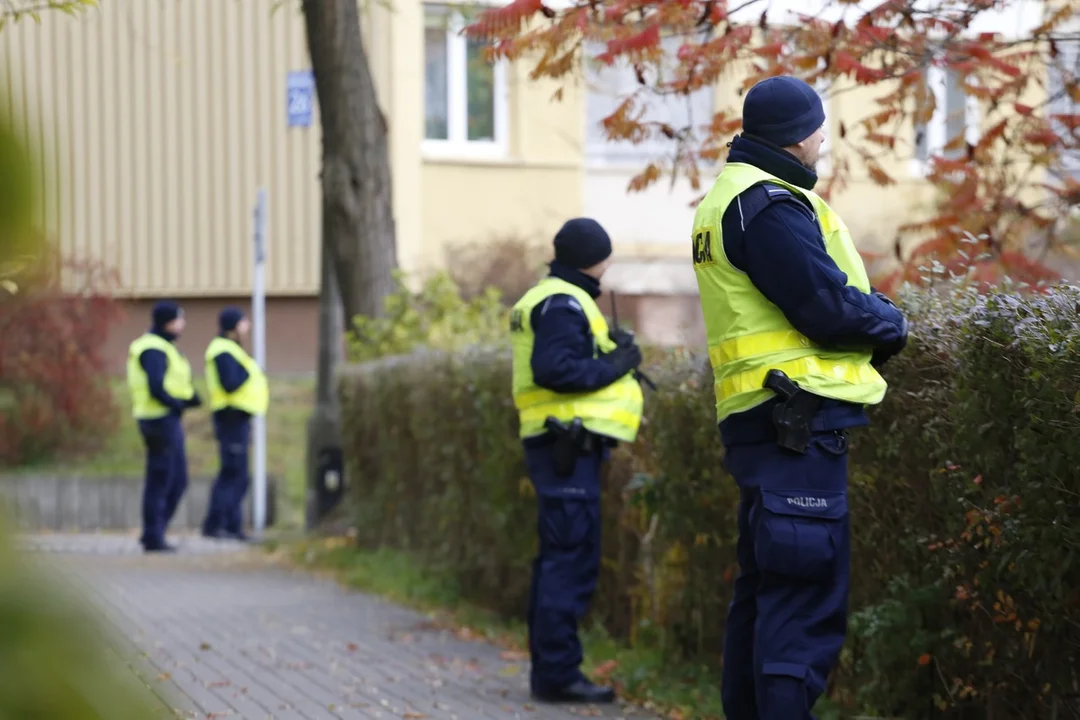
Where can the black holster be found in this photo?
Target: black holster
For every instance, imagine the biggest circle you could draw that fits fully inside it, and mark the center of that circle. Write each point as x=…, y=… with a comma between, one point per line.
x=569, y=443
x=793, y=416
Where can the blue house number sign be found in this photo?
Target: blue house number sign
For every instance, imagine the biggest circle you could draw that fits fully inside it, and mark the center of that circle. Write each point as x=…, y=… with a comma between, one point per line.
x=300, y=94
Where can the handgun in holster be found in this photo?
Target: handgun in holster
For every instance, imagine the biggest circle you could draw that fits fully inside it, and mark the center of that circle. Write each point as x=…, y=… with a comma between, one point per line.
x=569, y=444
x=793, y=416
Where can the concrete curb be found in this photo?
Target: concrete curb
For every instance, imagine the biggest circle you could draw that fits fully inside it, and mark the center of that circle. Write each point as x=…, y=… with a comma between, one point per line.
x=87, y=504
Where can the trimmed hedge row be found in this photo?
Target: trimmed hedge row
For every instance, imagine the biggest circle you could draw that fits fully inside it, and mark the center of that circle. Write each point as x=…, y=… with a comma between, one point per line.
x=964, y=500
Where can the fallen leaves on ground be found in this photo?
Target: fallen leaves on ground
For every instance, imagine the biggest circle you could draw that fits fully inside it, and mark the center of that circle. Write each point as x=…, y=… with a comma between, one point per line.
x=604, y=669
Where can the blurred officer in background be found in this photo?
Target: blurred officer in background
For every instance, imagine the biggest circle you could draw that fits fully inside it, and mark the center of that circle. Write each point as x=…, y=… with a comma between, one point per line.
x=576, y=397
x=795, y=332
x=238, y=390
x=159, y=380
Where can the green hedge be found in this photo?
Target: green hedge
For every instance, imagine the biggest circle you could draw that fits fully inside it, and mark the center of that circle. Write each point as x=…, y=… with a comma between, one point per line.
x=964, y=501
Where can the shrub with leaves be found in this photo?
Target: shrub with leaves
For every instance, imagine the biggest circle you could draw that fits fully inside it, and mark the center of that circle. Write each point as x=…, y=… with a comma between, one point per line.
x=510, y=264
x=965, y=587
x=54, y=392
x=436, y=317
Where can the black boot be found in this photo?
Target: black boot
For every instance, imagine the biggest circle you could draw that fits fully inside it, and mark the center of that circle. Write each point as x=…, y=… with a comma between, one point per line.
x=164, y=548
x=581, y=691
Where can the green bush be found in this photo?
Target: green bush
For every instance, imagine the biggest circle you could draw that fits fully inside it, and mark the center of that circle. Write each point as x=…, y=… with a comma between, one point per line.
x=964, y=495
x=436, y=317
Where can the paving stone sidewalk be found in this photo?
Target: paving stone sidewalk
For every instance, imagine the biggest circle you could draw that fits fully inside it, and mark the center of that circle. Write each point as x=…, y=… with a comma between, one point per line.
x=221, y=631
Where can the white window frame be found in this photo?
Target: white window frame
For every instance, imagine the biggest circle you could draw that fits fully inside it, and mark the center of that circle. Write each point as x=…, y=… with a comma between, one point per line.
x=825, y=164
x=605, y=154
x=1064, y=105
x=936, y=132
x=457, y=144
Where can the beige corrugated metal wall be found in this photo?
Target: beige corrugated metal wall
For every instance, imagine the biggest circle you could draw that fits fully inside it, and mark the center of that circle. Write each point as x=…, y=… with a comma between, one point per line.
x=157, y=120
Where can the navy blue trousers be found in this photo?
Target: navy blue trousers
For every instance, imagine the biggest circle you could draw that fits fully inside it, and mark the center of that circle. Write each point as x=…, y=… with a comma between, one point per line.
x=226, y=509
x=787, y=621
x=166, y=476
x=566, y=567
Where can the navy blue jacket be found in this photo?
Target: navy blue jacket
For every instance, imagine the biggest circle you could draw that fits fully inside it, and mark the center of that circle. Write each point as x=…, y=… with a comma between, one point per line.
x=231, y=375
x=562, y=359
x=773, y=236
x=154, y=362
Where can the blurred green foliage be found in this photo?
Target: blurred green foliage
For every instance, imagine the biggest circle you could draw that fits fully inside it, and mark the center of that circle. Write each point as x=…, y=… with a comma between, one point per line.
x=18, y=202
x=54, y=661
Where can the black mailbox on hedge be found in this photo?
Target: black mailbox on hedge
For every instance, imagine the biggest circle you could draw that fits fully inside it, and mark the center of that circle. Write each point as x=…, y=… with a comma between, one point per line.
x=330, y=483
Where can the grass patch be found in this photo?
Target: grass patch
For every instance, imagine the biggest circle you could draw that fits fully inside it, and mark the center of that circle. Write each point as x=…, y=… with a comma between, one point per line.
x=679, y=691
x=122, y=456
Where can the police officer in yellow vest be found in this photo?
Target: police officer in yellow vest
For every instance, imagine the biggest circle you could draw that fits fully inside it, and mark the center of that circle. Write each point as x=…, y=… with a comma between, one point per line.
x=159, y=380
x=238, y=390
x=795, y=335
x=576, y=398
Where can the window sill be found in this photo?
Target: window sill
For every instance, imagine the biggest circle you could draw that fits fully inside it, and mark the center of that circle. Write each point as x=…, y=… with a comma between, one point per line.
x=622, y=164
x=465, y=156
x=483, y=152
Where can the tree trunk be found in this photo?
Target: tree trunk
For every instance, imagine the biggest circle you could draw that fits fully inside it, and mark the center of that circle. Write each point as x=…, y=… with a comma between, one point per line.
x=325, y=471
x=359, y=249
x=358, y=220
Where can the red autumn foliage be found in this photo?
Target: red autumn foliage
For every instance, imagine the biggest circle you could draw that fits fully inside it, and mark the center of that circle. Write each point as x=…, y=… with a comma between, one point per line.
x=979, y=224
x=54, y=393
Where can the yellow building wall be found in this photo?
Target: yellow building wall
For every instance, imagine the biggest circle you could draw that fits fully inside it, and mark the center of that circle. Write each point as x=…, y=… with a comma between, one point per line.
x=157, y=121
x=528, y=194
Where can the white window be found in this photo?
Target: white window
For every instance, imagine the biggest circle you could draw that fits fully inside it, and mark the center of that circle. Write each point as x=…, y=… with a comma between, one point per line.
x=955, y=115
x=465, y=102
x=824, y=164
x=607, y=87
x=1065, y=68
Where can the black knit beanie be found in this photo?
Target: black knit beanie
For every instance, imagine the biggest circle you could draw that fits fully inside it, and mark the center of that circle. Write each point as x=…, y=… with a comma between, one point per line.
x=164, y=312
x=582, y=243
x=229, y=318
x=782, y=110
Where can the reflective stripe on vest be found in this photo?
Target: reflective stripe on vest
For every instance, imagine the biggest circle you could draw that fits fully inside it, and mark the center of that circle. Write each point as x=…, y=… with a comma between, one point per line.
x=252, y=397
x=747, y=334
x=177, y=381
x=614, y=411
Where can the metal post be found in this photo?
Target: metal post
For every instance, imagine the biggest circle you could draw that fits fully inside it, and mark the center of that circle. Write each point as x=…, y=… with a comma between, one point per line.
x=258, y=322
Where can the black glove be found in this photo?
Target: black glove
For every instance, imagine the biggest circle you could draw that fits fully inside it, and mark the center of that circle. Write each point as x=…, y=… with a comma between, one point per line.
x=624, y=359
x=621, y=338
x=194, y=402
x=886, y=352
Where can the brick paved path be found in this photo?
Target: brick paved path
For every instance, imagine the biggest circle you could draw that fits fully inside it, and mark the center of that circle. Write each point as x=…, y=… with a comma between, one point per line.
x=221, y=631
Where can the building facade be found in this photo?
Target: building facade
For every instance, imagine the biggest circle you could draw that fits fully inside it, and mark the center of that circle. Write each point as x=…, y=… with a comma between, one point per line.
x=157, y=121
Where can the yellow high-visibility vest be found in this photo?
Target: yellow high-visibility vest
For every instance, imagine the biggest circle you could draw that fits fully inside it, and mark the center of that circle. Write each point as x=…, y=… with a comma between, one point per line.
x=747, y=334
x=253, y=396
x=614, y=411
x=177, y=381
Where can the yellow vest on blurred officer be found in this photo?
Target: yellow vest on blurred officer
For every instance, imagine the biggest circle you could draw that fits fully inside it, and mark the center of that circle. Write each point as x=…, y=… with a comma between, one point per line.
x=238, y=390
x=159, y=381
